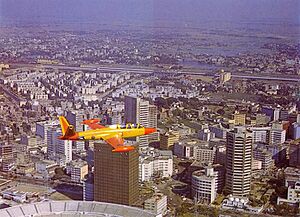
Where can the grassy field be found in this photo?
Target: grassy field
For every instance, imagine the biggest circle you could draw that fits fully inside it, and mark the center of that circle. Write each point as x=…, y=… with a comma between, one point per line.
x=31, y=188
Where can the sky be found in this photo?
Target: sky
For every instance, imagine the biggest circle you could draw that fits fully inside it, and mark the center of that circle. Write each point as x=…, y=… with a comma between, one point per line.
x=148, y=12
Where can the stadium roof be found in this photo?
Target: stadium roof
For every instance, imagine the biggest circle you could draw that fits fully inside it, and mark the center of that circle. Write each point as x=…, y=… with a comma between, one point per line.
x=74, y=209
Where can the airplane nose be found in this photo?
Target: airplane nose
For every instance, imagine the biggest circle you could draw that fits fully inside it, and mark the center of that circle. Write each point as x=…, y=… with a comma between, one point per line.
x=149, y=130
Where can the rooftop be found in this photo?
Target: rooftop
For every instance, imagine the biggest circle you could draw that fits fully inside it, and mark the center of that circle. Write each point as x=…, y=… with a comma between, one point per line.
x=74, y=208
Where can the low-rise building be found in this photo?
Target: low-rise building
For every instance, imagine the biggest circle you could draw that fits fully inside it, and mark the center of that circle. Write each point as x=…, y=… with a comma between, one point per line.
x=155, y=162
x=78, y=170
x=157, y=204
x=292, y=182
x=264, y=156
x=168, y=139
x=240, y=204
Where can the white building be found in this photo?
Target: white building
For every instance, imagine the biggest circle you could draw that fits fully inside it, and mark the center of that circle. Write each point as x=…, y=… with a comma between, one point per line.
x=157, y=204
x=260, y=134
x=292, y=182
x=140, y=111
x=206, y=135
x=277, y=136
x=43, y=126
x=78, y=170
x=58, y=150
x=155, y=161
x=204, y=154
x=204, y=186
x=240, y=204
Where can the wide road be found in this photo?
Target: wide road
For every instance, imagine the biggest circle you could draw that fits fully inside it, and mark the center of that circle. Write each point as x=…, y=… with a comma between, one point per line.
x=145, y=70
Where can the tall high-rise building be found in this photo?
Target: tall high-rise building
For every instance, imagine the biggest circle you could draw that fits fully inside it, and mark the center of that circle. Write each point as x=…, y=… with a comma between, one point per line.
x=75, y=118
x=153, y=137
x=238, y=161
x=140, y=111
x=58, y=150
x=6, y=155
x=116, y=175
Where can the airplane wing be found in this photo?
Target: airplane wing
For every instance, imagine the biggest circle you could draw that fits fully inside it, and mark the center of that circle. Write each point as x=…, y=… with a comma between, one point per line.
x=93, y=124
x=114, y=140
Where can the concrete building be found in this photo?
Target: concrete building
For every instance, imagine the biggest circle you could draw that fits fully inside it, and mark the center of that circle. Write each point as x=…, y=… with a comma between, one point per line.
x=219, y=131
x=204, y=153
x=78, y=170
x=75, y=118
x=88, y=187
x=264, y=156
x=155, y=162
x=239, y=119
x=116, y=175
x=184, y=149
x=140, y=111
x=292, y=182
x=273, y=113
x=296, y=131
x=294, y=154
x=168, y=139
x=239, y=161
x=277, y=136
x=260, y=134
x=43, y=126
x=58, y=150
x=157, y=204
x=206, y=135
x=7, y=157
x=204, y=186
x=240, y=204
x=224, y=77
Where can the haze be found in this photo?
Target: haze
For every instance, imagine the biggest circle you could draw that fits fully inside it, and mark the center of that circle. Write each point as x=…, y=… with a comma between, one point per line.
x=146, y=12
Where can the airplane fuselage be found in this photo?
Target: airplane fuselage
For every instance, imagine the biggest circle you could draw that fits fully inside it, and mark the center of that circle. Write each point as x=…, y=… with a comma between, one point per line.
x=100, y=133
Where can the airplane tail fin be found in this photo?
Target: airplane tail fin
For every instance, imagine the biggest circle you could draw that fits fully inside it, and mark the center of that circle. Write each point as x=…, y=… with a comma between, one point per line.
x=68, y=130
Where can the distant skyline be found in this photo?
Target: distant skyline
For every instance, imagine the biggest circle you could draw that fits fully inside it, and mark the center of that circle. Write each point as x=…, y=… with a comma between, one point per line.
x=192, y=13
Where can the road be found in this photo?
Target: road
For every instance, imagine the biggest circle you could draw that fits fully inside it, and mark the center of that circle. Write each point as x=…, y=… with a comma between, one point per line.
x=147, y=70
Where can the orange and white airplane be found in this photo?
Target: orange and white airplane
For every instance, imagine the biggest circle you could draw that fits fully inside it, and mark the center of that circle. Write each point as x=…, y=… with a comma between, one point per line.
x=113, y=134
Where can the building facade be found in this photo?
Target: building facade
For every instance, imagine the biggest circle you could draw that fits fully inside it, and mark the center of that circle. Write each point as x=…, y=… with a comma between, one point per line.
x=116, y=175
x=238, y=161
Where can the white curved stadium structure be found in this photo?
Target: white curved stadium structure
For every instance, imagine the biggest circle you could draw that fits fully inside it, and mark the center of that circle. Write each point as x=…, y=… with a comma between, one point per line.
x=74, y=209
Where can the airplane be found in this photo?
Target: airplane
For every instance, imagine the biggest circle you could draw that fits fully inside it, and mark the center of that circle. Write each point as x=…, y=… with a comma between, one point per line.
x=114, y=134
